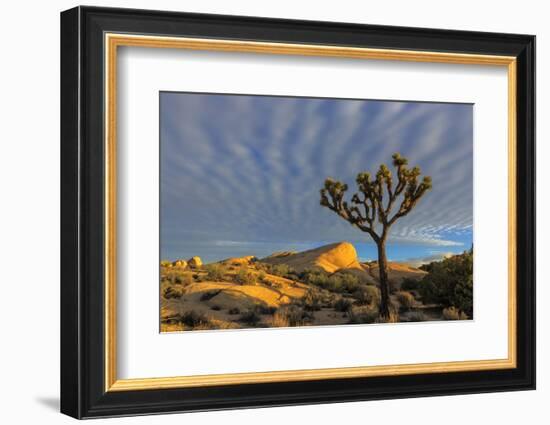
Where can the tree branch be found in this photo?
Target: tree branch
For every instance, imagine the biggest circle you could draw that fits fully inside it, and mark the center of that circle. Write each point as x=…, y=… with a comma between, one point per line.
x=332, y=197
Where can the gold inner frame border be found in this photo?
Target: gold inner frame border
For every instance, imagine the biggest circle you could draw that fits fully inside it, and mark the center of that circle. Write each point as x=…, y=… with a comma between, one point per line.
x=113, y=40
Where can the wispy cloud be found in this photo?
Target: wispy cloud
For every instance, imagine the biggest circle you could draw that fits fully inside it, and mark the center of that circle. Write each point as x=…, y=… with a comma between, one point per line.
x=249, y=168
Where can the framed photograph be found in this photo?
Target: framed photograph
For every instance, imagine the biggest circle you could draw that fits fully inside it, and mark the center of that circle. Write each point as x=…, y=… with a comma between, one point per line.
x=261, y=212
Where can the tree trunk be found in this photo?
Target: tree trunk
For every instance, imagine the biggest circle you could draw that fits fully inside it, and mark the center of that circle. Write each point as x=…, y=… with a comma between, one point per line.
x=384, y=284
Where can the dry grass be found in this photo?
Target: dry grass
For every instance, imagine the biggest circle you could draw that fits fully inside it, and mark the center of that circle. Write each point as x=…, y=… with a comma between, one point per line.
x=394, y=316
x=278, y=320
x=362, y=314
x=453, y=313
x=406, y=299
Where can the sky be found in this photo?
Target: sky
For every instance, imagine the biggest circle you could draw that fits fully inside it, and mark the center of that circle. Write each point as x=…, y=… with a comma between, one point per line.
x=240, y=174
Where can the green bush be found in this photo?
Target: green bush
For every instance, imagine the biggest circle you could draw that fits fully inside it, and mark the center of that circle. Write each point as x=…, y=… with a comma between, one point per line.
x=312, y=301
x=281, y=270
x=342, y=304
x=245, y=277
x=215, y=272
x=347, y=282
x=294, y=315
x=362, y=314
x=367, y=295
x=450, y=283
x=341, y=282
x=314, y=277
x=409, y=284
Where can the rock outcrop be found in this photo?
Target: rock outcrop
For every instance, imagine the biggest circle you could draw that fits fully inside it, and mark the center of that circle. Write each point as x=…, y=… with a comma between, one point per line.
x=194, y=262
x=330, y=258
x=239, y=261
x=180, y=263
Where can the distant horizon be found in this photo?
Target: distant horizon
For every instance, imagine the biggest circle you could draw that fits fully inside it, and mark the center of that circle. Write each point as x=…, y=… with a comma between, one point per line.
x=366, y=251
x=240, y=175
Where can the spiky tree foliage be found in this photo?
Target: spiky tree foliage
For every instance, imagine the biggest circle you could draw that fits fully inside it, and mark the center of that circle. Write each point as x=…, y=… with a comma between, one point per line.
x=374, y=210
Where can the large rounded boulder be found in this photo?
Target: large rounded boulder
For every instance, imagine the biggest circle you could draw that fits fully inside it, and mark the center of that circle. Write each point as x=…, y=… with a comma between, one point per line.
x=194, y=262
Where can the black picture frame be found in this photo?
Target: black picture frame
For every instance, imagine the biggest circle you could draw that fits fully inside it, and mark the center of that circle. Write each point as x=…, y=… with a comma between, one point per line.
x=82, y=212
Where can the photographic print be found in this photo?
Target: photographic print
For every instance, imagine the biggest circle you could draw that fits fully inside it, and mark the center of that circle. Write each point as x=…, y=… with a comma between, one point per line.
x=283, y=211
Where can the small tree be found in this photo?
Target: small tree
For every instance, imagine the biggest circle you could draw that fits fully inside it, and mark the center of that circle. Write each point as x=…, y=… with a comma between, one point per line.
x=371, y=209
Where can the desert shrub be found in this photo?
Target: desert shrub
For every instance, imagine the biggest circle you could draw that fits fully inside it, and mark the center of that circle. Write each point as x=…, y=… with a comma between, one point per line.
x=342, y=282
x=328, y=299
x=250, y=317
x=234, y=310
x=417, y=316
x=348, y=282
x=261, y=276
x=262, y=266
x=406, y=299
x=342, y=304
x=187, y=279
x=450, y=283
x=367, y=295
x=214, y=272
x=209, y=295
x=245, y=277
x=171, y=292
x=362, y=314
x=168, y=276
x=314, y=277
x=278, y=320
x=336, y=283
x=295, y=315
x=281, y=270
x=194, y=319
x=409, y=284
x=264, y=309
x=312, y=301
x=453, y=313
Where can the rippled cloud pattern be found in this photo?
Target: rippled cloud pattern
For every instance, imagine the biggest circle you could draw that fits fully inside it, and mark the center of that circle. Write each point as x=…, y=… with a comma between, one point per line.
x=241, y=174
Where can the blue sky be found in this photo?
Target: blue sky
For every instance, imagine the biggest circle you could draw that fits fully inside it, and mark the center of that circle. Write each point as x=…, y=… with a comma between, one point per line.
x=240, y=175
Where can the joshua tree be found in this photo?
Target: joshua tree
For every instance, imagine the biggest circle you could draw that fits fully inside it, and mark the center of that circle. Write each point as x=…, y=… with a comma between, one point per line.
x=371, y=209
